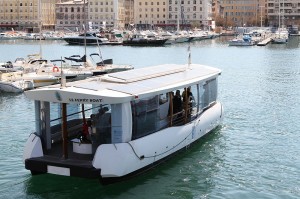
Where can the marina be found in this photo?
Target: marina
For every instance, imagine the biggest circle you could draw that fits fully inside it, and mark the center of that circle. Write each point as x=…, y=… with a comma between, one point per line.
x=252, y=154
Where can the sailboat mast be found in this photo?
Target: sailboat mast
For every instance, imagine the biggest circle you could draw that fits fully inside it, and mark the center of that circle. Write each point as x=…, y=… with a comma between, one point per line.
x=40, y=27
x=279, y=15
x=178, y=14
x=84, y=25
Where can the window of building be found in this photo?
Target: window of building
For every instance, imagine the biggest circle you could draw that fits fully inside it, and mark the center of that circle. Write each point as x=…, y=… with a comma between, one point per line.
x=78, y=9
x=72, y=9
x=66, y=9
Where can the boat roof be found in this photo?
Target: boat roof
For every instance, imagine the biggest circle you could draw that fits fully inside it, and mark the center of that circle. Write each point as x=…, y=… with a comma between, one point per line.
x=126, y=86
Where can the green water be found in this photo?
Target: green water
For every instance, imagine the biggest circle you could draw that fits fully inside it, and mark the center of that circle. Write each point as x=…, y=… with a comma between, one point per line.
x=254, y=154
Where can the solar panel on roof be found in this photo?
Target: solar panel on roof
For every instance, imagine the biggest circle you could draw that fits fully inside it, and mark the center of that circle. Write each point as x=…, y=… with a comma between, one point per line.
x=145, y=73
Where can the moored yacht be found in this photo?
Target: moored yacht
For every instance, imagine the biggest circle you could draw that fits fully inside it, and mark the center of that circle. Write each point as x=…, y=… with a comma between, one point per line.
x=121, y=124
x=89, y=38
x=141, y=39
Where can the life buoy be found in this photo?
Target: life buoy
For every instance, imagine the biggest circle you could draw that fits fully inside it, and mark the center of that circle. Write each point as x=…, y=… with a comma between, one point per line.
x=55, y=69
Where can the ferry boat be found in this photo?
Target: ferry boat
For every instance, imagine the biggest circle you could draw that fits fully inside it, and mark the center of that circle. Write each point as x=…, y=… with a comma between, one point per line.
x=116, y=126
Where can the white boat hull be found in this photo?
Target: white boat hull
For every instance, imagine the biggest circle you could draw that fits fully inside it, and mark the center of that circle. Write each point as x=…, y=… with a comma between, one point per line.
x=141, y=153
x=15, y=86
x=240, y=43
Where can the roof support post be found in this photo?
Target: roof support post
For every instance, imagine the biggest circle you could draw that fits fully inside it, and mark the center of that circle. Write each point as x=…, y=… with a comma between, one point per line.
x=64, y=131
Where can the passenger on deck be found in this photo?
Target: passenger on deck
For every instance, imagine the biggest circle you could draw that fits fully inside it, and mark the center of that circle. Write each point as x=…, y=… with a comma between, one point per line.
x=188, y=98
x=177, y=102
x=177, y=107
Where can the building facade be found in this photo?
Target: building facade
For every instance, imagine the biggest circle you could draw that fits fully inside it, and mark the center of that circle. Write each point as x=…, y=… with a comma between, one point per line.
x=284, y=12
x=71, y=15
x=148, y=14
x=27, y=15
x=19, y=15
x=34, y=15
x=173, y=14
x=108, y=13
x=241, y=13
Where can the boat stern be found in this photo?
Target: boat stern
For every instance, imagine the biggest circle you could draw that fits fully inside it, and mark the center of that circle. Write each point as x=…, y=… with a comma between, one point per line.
x=33, y=147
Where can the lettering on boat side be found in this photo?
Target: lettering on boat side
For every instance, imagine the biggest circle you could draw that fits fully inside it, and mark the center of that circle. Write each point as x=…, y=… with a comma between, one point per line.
x=84, y=100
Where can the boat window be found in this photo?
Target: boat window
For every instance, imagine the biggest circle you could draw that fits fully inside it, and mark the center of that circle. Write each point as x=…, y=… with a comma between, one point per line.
x=78, y=115
x=144, y=116
x=101, y=125
x=163, y=112
x=194, y=102
x=208, y=93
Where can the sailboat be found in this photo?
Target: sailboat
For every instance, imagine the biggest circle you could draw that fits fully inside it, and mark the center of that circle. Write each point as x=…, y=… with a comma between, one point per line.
x=282, y=34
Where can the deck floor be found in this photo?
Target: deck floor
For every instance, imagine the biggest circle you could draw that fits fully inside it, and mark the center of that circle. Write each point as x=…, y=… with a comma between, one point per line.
x=56, y=151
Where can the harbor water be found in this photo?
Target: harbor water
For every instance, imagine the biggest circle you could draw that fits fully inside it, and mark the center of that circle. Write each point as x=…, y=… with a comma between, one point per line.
x=253, y=154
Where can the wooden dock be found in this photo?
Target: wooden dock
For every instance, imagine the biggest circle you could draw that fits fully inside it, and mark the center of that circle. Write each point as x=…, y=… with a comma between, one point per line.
x=265, y=42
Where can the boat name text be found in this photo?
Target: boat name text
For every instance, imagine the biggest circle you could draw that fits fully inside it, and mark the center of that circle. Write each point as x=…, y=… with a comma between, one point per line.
x=84, y=100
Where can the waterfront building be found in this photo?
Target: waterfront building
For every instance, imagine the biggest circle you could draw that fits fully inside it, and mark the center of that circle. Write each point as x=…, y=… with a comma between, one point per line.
x=288, y=10
x=71, y=15
x=172, y=14
x=189, y=14
x=244, y=12
x=27, y=15
x=107, y=14
x=148, y=14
